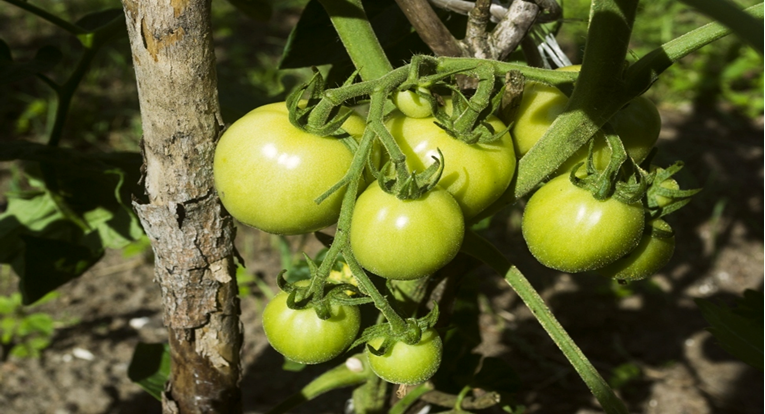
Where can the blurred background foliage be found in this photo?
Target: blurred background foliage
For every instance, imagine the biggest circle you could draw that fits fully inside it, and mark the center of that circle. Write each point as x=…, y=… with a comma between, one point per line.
x=726, y=75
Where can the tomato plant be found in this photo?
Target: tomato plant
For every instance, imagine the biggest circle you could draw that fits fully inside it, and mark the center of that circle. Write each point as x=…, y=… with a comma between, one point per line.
x=405, y=239
x=407, y=364
x=301, y=336
x=567, y=229
x=268, y=172
x=291, y=169
x=420, y=139
x=637, y=124
x=653, y=252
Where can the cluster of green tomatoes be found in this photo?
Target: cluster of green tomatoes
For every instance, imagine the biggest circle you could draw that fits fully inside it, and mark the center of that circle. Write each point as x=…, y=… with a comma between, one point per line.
x=268, y=174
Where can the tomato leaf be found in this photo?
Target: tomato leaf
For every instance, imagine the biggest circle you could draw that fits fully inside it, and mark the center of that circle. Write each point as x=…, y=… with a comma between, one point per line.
x=49, y=263
x=150, y=367
x=40, y=242
x=46, y=58
x=739, y=331
x=260, y=10
x=314, y=41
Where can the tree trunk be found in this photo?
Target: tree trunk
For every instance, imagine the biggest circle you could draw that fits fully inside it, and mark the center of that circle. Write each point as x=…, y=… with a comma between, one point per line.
x=191, y=234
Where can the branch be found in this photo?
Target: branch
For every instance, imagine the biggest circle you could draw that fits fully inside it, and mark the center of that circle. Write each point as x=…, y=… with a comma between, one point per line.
x=475, y=33
x=430, y=28
x=551, y=9
x=513, y=28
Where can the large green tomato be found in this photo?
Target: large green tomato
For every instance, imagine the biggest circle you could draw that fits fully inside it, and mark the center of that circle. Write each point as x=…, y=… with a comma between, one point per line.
x=302, y=337
x=567, y=229
x=268, y=173
x=407, y=364
x=650, y=255
x=476, y=175
x=638, y=125
x=405, y=239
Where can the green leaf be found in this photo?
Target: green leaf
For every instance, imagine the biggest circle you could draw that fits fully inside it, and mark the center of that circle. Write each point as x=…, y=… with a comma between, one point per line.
x=260, y=10
x=46, y=58
x=150, y=367
x=8, y=304
x=50, y=263
x=8, y=328
x=730, y=15
x=41, y=323
x=314, y=41
x=624, y=374
x=738, y=332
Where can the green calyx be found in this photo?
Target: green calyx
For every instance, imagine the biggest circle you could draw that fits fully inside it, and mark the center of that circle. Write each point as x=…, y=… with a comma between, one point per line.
x=664, y=195
x=414, y=185
x=621, y=180
x=316, y=115
x=410, y=336
x=316, y=293
x=467, y=119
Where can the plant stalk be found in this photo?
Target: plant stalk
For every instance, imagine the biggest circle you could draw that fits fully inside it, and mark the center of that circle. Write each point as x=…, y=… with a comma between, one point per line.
x=359, y=39
x=481, y=249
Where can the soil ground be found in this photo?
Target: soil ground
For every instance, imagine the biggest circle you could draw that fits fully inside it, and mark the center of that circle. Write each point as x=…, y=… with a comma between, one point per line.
x=653, y=325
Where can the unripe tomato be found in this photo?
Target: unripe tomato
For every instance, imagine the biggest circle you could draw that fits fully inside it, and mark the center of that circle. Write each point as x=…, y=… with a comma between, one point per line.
x=407, y=364
x=302, y=337
x=650, y=255
x=411, y=104
x=268, y=172
x=567, y=229
x=475, y=174
x=638, y=125
x=405, y=239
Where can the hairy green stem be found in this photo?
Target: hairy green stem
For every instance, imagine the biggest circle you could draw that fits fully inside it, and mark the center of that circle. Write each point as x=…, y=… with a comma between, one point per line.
x=641, y=75
x=359, y=39
x=728, y=13
x=483, y=250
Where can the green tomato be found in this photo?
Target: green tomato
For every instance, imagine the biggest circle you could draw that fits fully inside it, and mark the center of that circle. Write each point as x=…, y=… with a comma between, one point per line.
x=475, y=174
x=268, y=173
x=638, y=125
x=407, y=364
x=411, y=104
x=651, y=254
x=567, y=229
x=405, y=239
x=302, y=337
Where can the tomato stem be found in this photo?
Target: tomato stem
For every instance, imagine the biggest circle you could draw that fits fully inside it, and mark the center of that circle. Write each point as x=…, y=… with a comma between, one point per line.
x=359, y=39
x=483, y=250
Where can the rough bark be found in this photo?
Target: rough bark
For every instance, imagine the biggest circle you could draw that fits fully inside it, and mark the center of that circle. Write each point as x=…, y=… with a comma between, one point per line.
x=191, y=234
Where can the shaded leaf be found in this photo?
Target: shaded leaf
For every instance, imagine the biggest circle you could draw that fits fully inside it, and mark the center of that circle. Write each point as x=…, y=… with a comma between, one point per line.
x=50, y=263
x=255, y=9
x=46, y=58
x=150, y=367
x=314, y=41
x=738, y=332
x=730, y=15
